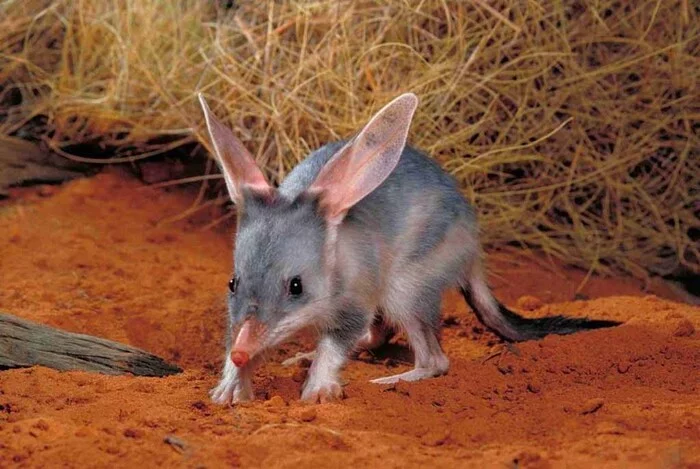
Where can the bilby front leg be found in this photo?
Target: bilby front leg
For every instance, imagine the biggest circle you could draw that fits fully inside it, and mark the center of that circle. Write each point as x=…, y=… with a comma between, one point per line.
x=332, y=351
x=323, y=382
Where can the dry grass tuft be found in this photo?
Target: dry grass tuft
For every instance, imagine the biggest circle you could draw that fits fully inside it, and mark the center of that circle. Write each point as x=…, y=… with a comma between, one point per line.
x=573, y=126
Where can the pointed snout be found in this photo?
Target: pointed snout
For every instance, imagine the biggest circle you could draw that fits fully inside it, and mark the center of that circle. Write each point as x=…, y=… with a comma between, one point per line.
x=248, y=341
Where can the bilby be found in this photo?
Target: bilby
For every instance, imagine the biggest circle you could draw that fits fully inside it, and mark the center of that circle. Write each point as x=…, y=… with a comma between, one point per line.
x=360, y=239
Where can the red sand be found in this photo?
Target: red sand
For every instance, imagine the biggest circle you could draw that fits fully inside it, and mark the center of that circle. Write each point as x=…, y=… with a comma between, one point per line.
x=95, y=257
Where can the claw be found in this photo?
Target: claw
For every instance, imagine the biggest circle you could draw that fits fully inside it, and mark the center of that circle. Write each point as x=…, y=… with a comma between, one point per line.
x=234, y=386
x=221, y=394
x=224, y=393
x=323, y=394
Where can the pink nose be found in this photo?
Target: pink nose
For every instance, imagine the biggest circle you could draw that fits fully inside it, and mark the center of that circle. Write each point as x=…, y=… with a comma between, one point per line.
x=247, y=342
x=239, y=358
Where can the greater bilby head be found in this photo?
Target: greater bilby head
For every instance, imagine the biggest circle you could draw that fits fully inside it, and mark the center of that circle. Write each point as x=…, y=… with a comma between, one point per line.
x=284, y=253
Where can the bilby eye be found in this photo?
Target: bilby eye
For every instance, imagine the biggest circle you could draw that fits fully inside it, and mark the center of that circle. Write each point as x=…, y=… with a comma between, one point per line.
x=295, y=288
x=233, y=284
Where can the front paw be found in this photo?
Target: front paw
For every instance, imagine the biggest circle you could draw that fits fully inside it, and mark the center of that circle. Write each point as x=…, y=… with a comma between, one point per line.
x=231, y=390
x=322, y=392
x=226, y=393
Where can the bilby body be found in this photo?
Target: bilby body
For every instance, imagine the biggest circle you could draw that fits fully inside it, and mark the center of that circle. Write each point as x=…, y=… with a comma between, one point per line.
x=361, y=228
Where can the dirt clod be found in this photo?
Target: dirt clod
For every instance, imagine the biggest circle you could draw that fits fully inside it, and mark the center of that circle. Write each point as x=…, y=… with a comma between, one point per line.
x=436, y=438
x=134, y=433
x=529, y=303
x=200, y=405
x=307, y=414
x=609, y=428
x=684, y=328
x=530, y=460
x=41, y=425
x=533, y=388
x=276, y=401
x=591, y=406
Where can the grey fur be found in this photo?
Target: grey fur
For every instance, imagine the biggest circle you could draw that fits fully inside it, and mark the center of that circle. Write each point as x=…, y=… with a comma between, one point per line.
x=396, y=251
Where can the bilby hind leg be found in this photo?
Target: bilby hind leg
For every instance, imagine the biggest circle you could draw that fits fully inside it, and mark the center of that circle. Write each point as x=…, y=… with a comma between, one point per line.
x=420, y=318
x=377, y=335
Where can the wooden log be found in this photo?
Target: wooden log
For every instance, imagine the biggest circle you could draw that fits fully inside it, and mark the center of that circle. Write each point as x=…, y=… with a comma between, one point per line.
x=24, y=343
x=23, y=163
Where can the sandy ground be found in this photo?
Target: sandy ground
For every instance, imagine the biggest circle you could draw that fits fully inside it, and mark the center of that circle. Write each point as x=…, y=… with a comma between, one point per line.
x=95, y=256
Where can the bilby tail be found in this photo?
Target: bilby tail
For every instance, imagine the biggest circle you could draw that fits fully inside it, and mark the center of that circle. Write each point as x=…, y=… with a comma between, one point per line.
x=513, y=327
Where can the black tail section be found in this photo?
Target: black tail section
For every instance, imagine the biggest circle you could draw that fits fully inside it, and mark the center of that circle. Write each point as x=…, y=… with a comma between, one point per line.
x=513, y=327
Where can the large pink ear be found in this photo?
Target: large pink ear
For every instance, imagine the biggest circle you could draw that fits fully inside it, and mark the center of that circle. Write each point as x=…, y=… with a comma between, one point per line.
x=236, y=163
x=365, y=161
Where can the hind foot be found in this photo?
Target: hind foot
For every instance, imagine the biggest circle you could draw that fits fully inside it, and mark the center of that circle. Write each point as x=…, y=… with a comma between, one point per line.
x=426, y=366
x=299, y=357
x=415, y=374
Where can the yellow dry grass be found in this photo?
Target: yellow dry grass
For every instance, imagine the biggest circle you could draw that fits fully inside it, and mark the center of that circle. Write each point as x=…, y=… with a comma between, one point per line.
x=573, y=126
